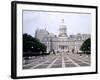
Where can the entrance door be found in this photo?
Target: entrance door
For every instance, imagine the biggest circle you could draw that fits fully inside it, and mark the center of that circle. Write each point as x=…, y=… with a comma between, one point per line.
x=63, y=48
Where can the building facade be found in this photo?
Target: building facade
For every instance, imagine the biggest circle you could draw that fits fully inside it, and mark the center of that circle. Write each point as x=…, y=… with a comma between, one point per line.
x=63, y=42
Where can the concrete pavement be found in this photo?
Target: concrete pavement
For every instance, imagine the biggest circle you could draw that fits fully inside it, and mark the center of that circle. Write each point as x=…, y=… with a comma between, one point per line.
x=61, y=60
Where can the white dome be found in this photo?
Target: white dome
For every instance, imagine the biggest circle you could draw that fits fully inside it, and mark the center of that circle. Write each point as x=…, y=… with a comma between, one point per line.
x=62, y=30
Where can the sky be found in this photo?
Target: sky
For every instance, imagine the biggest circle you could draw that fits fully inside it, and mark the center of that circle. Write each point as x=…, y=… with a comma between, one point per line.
x=75, y=22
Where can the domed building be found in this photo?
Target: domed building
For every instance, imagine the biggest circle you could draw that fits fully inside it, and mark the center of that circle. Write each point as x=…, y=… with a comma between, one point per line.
x=62, y=43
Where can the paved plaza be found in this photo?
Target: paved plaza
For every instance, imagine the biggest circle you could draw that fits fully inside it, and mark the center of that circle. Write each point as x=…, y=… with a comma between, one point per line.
x=60, y=60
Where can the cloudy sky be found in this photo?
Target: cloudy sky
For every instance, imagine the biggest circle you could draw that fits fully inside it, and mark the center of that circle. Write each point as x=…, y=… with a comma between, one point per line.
x=75, y=22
